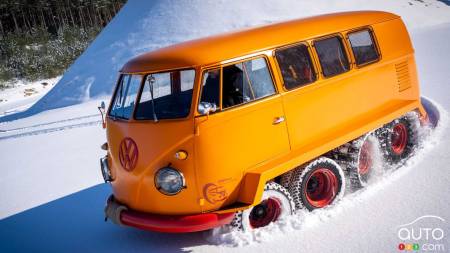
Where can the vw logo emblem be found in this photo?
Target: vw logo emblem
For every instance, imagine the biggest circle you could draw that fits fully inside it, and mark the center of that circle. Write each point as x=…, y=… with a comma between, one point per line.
x=128, y=154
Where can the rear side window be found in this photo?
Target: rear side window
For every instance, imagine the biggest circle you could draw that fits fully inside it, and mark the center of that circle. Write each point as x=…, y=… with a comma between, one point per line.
x=363, y=47
x=332, y=57
x=125, y=97
x=296, y=66
x=246, y=81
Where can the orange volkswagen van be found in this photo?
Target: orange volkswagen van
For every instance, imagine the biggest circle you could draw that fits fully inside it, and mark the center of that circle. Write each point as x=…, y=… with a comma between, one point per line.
x=243, y=128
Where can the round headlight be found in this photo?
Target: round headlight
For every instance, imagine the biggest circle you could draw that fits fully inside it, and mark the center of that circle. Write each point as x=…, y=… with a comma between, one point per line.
x=169, y=181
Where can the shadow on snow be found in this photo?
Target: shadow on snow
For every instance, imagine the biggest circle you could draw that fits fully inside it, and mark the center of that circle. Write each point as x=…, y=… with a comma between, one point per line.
x=75, y=223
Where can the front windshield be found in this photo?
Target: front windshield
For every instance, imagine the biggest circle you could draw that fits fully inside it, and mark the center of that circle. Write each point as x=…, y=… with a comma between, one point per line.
x=166, y=95
x=126, y=92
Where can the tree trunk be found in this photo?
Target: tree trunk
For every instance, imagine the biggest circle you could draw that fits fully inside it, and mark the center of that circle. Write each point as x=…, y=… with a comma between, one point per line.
x=93, y=16
x=105, y=15
x=71, y=16
x=36, y=19
x=31, y=14
x=15, y=22
x=89, y=16
x=62, y=22
x=27, y=26
x=1, y=28
x=100, y=17
x=66, y=19
x=97, y=18
x=44, y=24
x=108, y=11
x=81, y=17
x=114, y=8
x=53, y=18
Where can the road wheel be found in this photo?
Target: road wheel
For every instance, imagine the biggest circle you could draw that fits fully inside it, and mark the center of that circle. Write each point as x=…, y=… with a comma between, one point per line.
x=286, y=179
x=317, y=185
x=363, y=159
x=276, y=203
x=399, y=138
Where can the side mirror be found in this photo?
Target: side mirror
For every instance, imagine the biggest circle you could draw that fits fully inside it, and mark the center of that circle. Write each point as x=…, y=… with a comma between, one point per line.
x=102, y=109
x=205, y=108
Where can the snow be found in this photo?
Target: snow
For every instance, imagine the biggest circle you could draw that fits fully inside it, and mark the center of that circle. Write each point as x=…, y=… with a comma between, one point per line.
x=49, y=156
x=147, y=25
x=50, y=191
x=24, y=94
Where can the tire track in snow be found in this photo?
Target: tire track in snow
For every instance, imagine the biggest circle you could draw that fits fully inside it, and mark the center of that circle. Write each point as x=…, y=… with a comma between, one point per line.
x=50, y=130
x=37, y=130
x=48, y=123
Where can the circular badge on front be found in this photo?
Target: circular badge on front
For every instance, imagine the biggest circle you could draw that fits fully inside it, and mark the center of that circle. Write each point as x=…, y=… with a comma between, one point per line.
x=128, y=154
x=214, y=193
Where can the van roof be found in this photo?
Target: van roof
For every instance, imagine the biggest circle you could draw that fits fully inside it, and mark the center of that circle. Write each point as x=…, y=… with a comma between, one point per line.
x=217, y=48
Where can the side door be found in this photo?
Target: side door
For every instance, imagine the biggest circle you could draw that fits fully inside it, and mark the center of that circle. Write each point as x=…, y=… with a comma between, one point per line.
x=248, y=128
x=321, y=109
x=315, y=108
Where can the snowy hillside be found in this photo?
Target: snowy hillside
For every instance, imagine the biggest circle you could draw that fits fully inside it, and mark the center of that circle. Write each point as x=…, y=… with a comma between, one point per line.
x=147, y=25
x=51, y=194
x=24, y=94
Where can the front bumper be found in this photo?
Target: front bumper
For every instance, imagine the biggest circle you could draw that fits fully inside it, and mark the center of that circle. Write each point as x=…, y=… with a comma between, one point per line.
x=121, y=215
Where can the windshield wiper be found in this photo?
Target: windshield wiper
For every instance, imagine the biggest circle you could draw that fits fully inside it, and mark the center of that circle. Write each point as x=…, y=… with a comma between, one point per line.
x=113, y=112
x=151, y=80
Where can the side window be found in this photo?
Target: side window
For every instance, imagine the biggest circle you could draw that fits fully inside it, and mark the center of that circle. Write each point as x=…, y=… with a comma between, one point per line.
x=246, y=81
x=332, y=57
x=363, y=47
x=236, y=88
x=211, y=87
x=296, y=66
x=125, y=96
x=259, y=78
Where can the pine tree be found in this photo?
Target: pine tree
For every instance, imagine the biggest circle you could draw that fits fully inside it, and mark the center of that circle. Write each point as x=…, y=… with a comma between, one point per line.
x=41, y=38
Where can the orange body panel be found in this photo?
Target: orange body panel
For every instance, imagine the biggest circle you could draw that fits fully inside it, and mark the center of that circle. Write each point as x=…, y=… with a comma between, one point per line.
x=234, y=152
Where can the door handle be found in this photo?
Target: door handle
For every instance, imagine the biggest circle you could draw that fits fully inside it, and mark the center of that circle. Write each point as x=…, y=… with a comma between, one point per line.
x=278, y=120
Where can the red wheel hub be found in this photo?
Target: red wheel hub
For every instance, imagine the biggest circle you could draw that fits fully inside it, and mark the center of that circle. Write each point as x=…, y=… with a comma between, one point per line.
x=399, y=138
x=365, y=158
x=321, y=187
x=266, y=212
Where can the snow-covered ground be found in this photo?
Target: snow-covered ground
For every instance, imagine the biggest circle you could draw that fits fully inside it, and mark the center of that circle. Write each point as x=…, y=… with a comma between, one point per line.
x=55, y=154
x=49, y=156
x=24, y=94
